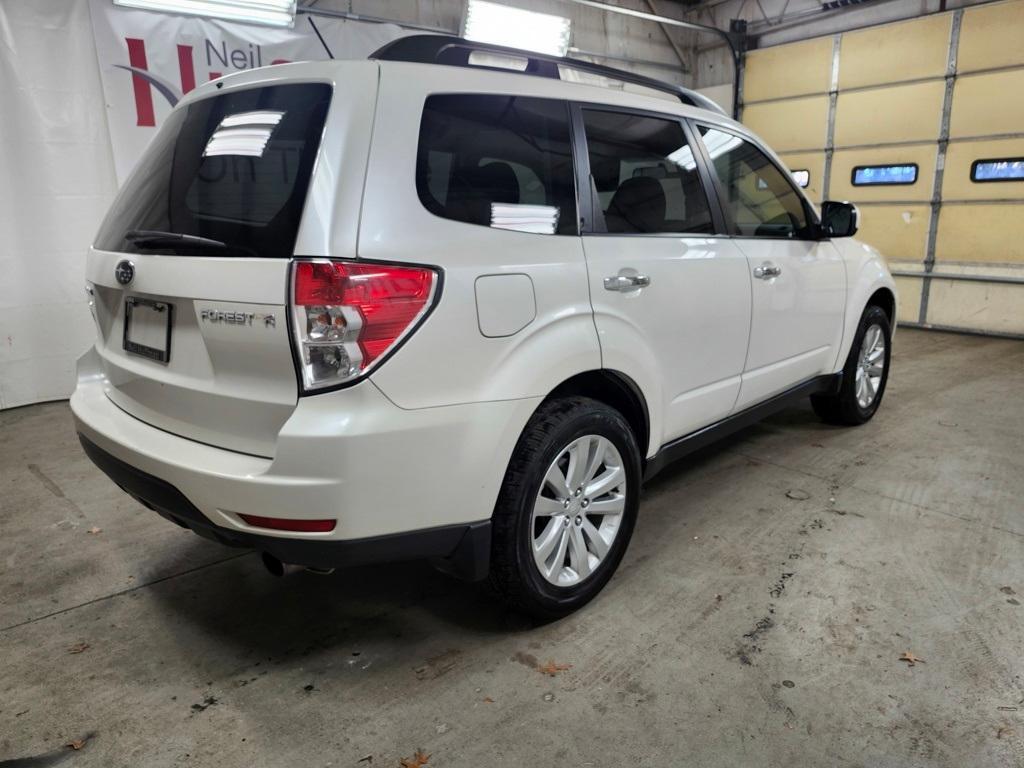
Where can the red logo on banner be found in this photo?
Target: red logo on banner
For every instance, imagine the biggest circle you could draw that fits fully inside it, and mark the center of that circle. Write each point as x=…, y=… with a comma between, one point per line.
x=145, y=82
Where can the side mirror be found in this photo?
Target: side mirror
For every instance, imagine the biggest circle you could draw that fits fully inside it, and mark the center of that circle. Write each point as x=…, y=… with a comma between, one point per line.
x=839, y=219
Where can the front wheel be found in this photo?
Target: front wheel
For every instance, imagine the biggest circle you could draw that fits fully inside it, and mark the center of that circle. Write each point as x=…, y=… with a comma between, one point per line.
x=864, y=376
x=567, y=507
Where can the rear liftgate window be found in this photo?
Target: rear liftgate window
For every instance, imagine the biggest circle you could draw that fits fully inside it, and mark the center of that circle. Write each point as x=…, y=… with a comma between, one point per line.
x=226, y=176
x=498, y=161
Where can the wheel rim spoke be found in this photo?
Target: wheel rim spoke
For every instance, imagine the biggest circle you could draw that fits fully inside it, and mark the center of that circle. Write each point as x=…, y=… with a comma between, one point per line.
x=579, y=557
x=610, y=505
x=608, y=481
x=555, y=480
x=597, y=543
x=549, y=538
x=546, y=507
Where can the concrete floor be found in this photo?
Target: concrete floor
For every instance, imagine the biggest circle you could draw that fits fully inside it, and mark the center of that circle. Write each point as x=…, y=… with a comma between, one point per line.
x=758, y=618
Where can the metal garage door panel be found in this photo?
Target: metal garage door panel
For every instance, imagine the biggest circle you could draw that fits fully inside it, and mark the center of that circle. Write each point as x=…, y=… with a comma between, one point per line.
x=989, y=104
x=990, y=37
x=978, y=306
x=844, y=161
x=814, y=164
x=900, y=232
x=790, y=124
x=977, y=232
x=909, y=291
x=890, y=114
x=910, y=50
x=796, y=69
x=956, y=179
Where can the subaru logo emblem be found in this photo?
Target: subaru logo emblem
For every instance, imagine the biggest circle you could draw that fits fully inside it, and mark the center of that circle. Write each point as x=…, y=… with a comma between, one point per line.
x=124, y=272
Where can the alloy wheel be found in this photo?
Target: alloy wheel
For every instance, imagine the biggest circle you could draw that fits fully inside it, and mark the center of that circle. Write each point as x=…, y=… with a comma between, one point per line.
x=578, y=510
x=870, y=366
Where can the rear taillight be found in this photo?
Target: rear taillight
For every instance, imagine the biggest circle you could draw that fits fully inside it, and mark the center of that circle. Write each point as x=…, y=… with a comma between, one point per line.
x=347, y=315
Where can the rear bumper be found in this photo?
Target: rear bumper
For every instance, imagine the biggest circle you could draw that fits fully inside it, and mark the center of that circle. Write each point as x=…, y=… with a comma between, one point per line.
x=401, y=484
x=463, y=549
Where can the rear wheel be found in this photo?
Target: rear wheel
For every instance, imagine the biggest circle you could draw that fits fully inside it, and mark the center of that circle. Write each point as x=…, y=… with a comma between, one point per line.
x=864, y=376
x=567, y=507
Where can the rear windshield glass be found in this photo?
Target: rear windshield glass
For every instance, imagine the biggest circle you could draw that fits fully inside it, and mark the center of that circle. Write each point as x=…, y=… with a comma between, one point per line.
x=232, y=169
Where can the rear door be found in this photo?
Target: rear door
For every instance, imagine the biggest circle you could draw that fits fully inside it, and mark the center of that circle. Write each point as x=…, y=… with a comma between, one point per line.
x=798, y=282
x=671, y=298
x=189, y=271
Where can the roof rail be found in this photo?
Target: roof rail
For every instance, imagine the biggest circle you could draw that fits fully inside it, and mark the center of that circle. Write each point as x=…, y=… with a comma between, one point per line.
x=456, y=51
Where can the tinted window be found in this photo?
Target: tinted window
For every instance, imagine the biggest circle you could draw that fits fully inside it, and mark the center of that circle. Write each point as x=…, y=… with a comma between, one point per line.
x=498, y=161
x=1003, y=169
x=644, y=174
x=874, y=175
x=232, y=168
x=761, y=199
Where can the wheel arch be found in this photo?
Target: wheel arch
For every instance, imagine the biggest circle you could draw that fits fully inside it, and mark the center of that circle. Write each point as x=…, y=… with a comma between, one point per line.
x=616, y=390
x=886, y=300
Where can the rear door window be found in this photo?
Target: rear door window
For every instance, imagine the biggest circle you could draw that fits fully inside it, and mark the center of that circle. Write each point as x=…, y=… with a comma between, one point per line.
x=645, y=174
x=498, y=161
x=232, y=169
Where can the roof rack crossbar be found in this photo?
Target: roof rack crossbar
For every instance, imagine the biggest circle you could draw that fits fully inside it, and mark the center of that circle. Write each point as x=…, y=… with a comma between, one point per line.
x=455, y=51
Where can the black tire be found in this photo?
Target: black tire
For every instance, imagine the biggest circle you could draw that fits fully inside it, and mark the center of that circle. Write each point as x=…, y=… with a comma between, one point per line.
x=843, y=408
x=514, y=573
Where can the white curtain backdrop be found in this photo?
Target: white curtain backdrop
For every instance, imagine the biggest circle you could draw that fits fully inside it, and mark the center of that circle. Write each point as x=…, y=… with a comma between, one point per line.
x=56, y=180
x=60, y=133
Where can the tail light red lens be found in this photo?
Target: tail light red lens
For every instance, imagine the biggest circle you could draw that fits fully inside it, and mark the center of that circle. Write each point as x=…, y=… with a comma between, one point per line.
x=347, y=315
x=284, y=524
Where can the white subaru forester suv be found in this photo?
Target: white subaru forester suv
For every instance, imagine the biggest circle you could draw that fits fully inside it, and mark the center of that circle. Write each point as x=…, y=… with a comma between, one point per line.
x=457, y=302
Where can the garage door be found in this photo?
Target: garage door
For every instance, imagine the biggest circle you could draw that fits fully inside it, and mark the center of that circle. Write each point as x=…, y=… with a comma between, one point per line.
x=921, y=124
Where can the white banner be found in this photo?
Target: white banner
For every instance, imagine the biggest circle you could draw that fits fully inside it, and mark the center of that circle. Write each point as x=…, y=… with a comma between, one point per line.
x=148, y=61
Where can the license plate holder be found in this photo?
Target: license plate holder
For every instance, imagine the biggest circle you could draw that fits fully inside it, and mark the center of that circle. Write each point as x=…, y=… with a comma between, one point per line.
x=147, y=328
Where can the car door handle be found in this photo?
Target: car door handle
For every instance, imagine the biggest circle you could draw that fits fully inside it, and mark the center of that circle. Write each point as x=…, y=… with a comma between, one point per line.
x=626, y=282
x=767, y=271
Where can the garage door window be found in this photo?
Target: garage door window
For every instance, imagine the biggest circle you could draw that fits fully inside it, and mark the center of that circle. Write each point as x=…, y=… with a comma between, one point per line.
x=884, y=175
x=1004, y=169
x=498, y=161
x=760, y=198
x=645, y=175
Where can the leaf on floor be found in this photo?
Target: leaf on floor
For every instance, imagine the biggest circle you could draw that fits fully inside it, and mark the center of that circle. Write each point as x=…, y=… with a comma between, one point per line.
x=910, y=658
x=76, y=745
x=488, y=700
x=95, y=530
x=78, y=648
x=551, y=669
x=416, y=761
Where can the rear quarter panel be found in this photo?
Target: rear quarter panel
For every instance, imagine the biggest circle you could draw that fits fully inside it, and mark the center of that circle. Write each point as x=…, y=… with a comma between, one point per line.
x=448, y=360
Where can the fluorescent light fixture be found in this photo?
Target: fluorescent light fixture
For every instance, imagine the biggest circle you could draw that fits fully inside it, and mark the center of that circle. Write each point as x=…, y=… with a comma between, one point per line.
x=271, y=13
x=244, y=133
x=501, y=25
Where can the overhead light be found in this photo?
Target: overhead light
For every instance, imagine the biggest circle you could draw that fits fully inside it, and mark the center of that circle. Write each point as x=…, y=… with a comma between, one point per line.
x=501, y=25
x=271, y=13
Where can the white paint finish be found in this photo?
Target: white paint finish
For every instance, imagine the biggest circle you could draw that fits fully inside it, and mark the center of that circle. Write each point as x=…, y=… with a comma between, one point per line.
x=328, y=460
x=505, y=304
x=447, y=360
x=797, y=318
x=228, y=385
x=683, y=338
